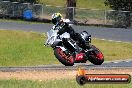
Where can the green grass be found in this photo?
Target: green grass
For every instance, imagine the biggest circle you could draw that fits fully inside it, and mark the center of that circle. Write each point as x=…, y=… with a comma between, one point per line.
x=65, y=83
x=20, y=48
x=90, y=4
x=89, y=14
x=80, y=13
x=114, y=50
x=21, y=21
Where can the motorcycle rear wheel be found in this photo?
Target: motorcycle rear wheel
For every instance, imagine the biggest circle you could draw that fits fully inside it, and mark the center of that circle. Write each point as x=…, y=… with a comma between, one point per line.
x=65, y=59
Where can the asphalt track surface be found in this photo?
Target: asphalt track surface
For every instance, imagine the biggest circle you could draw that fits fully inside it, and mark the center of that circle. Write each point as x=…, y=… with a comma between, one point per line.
x=107, y=65
x=116, y=34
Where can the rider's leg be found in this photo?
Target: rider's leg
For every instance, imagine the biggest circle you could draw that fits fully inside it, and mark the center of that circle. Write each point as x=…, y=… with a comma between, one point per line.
x=68, y=45
x=82, y=44
x=77, y=37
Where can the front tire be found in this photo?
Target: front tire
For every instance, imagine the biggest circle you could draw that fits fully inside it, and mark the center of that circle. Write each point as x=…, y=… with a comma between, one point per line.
x=96, y=57
x=67, y=60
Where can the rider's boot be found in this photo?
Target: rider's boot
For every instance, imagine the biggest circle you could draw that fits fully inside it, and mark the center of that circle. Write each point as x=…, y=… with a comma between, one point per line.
x=82, y=42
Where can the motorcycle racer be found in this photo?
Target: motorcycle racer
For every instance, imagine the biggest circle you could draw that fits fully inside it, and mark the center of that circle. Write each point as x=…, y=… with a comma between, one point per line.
x=69, y=46
x=62, y=26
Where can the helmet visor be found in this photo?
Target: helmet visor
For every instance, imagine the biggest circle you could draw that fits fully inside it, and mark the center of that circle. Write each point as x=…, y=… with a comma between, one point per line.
x=54, y=21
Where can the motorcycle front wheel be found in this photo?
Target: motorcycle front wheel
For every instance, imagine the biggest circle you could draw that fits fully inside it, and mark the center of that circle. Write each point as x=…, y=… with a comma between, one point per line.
x=95, y=56
x=65, y=59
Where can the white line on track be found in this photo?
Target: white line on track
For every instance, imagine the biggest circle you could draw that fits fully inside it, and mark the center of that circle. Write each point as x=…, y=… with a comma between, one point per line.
x=112, y=40
x=115, y=62
x=127, y=61
x=118, y=61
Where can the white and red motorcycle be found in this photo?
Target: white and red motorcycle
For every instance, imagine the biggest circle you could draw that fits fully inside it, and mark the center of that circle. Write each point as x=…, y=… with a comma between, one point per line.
x=71, y=53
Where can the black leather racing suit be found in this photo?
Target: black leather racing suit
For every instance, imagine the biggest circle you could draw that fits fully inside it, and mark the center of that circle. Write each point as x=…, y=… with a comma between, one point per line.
x=64, y=27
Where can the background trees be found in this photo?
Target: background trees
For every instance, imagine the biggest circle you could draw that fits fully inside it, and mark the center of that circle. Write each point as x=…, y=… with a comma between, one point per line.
x=123, y=13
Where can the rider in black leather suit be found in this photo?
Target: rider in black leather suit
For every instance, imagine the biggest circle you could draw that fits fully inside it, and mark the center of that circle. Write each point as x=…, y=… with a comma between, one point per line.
x=64, y=27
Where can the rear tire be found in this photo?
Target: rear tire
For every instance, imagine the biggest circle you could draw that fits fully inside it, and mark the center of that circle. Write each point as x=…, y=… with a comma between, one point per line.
x=96, y=57
x=61, y=56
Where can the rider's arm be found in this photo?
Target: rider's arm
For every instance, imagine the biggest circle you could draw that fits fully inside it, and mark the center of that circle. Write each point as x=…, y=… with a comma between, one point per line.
x=63, y=28
x=55, y=27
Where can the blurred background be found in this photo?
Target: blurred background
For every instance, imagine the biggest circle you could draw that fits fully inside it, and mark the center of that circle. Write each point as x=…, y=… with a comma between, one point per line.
x=113, y=13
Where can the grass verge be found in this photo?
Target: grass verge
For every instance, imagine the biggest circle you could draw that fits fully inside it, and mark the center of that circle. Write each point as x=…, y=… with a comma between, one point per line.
x=90, y=4
x=20, y=48
x=114, y=50
x=21, y=21
x=65, y=83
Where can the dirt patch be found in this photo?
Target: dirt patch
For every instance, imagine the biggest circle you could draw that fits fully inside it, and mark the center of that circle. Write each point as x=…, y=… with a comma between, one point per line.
x=49, y=75
x=37, y=75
